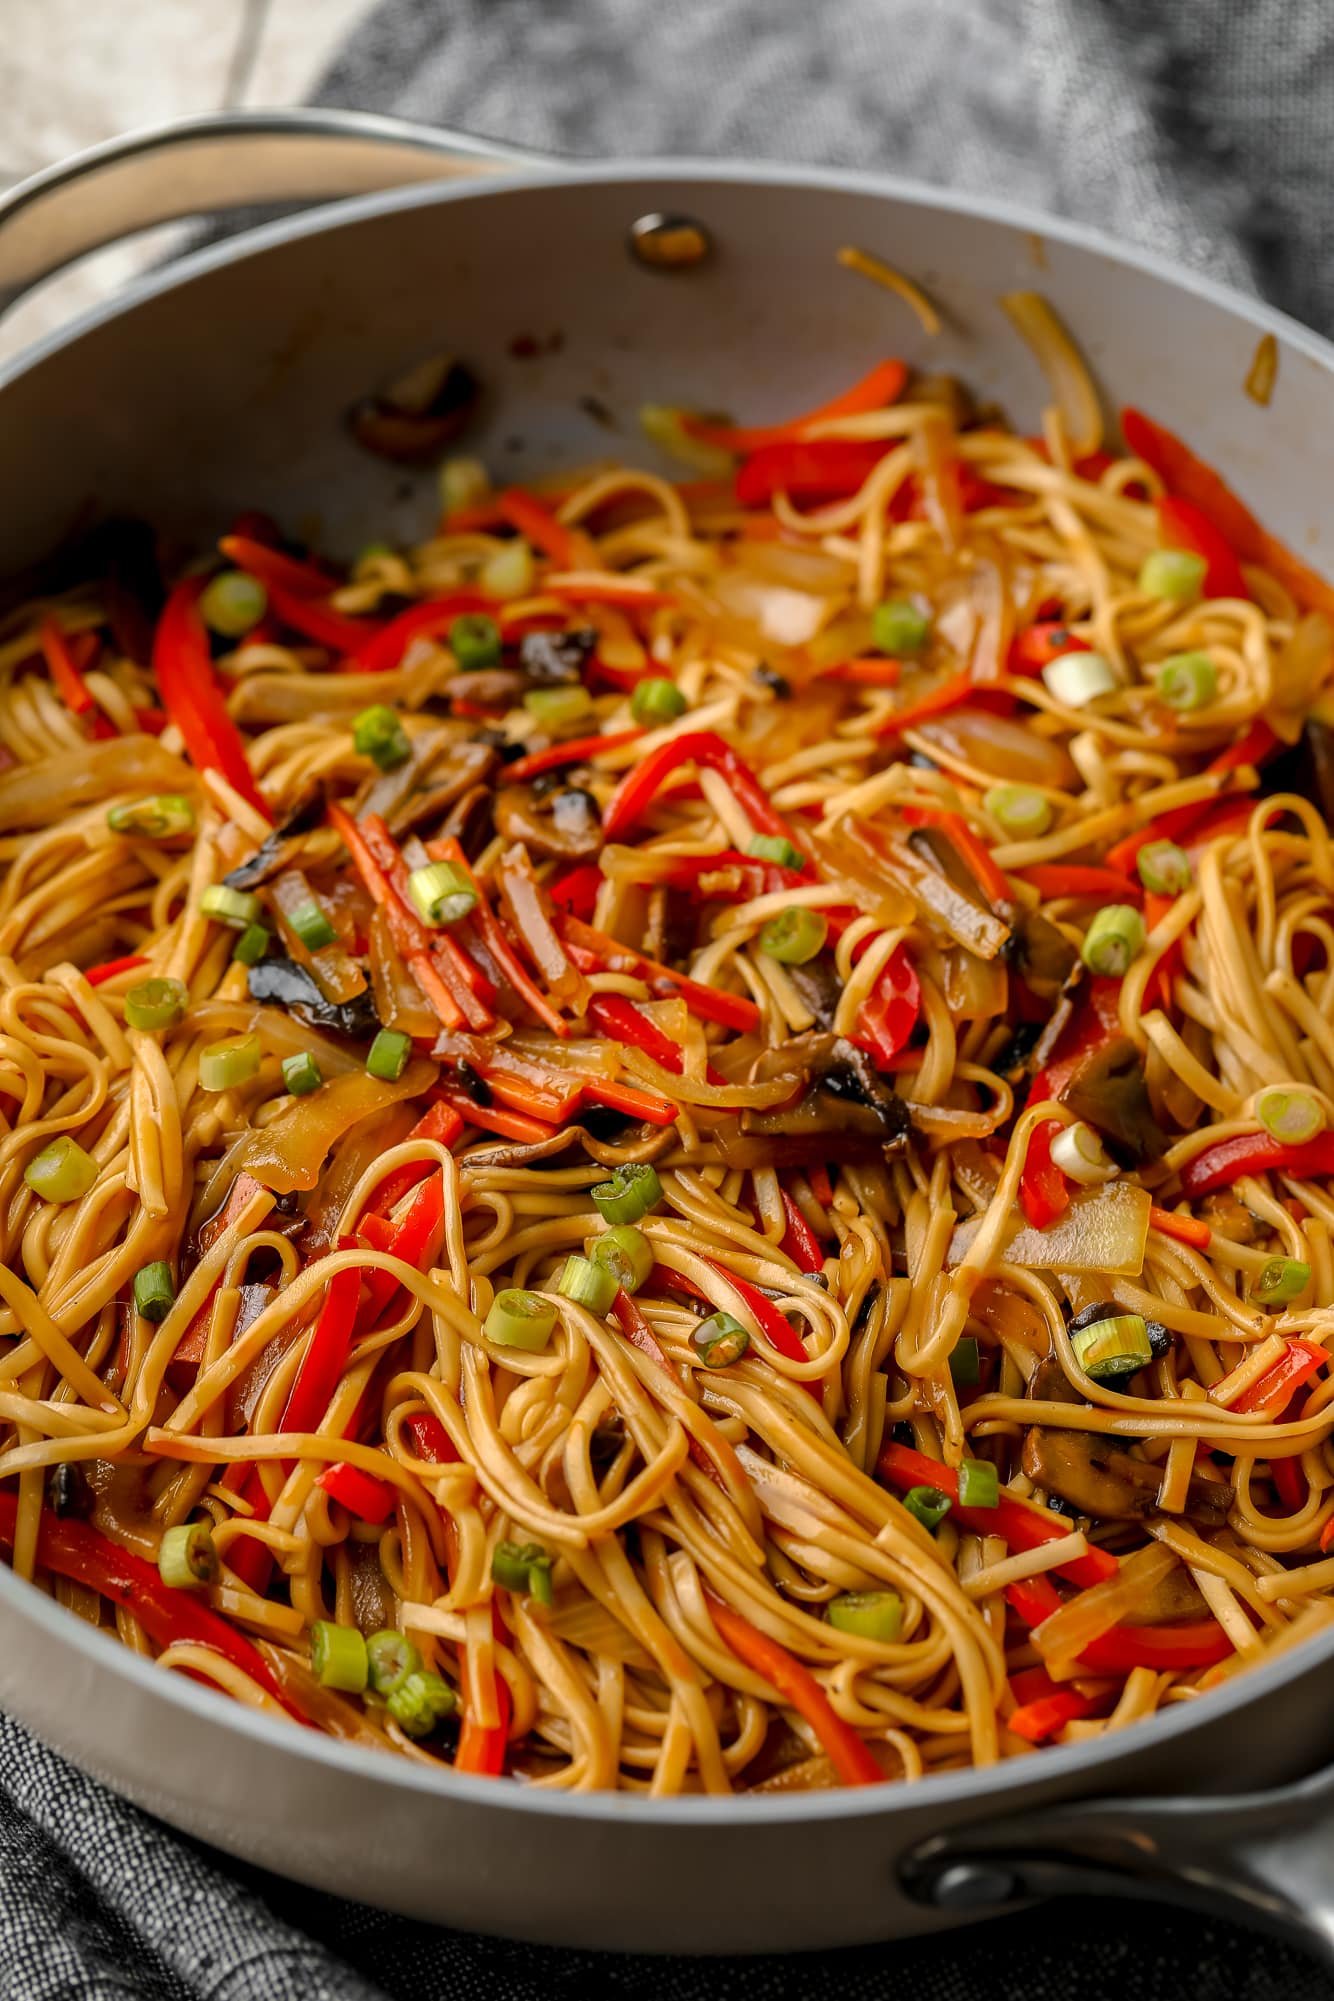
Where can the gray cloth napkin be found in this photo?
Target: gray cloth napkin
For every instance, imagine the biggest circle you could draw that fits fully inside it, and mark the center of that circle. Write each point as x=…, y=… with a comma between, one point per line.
x=1203, y=130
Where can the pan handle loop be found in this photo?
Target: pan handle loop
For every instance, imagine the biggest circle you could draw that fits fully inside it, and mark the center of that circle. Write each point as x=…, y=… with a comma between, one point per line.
x=1264, y=1858
x=209, y=166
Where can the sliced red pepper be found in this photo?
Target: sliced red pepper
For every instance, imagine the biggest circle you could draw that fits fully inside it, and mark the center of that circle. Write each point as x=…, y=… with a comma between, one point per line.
x=635, y=1102
x=799, y=1242
x=625, y=593
x=1033, y=1598
x=814, y=469
x=573, y=752
x=777, y=1329
x=1044, y=1192
x=169, y=1617
x=190, y=693
x=1255, y=1153
x=568, y=548
x=483, y=919
x=946, y=694
x=1041, y=1719
x=1052, y=879
x=594, y=951
x=705, y=748
x=800, y=1691
x=325, y=1358
x=371, y=845
x=152, y=721
x=1191, y=479
x=1270, y=1394
x=1166, y=1649
x=976, y=855
x=1183, y=526
x=381, y=651
x=621, y=1021
x=64, y=669
x=889, y=1014
x=440, y=1123
x=252, y=553
x=369, y=1499
x=415, y=1240
x=429, y=1438
x=111, y=969
x=1289, y=1482
x=1020, y=1526
x=1039, y=644
x=576, y=889
x=883, y=385
x=873, y=672
x=1095, y=1023
x=729, y=876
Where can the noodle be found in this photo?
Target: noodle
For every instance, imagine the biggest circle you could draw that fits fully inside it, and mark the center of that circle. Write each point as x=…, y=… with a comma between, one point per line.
x=726, y=938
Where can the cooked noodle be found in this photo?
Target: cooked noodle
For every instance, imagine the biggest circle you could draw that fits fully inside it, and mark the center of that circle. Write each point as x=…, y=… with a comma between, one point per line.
x=850, y=1148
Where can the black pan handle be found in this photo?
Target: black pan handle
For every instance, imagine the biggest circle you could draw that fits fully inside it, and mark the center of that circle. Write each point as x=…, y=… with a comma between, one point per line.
x=1265, y=1858
x=208, y=166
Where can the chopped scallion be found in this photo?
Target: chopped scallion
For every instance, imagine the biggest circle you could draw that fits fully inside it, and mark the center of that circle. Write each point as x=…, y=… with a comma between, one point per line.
x=626, y=1253
x=1187, y=681
x=441, y=892
x=474, y=640
x=899, y=628
x=633, y=1190
x=420, y=1702
x=378, y=734
x=720, y=1340
x=795, y=936
x=979, y=1484
x=154, y=1291
x=1078, y=1152
x=553, y=706
x=390, y=1658
x=1113, y=940
x=237, y=907
x=154, y=819
x=387, y=1056
x=1164, y=868
x=1290, y=1115
x=62, y=1171
x=776, y=848
x=233, y=1061
x=1113, y=1347
x=232, y=603
x=251, y=946
x=1075, y=678
x=656, y=701
x=1175, y=574
x=965, y=1363
x=870, y=1615
x=588, y=1284
x=311, y=926
x=1281, y=1281
x=1018, y=810
x=520, y=1319
x=338, y=1657
x=186, y=1557
x=523, y=1567
x=928, y=1506
x=302, y=1074
x=152, y=1005
x=509, y=573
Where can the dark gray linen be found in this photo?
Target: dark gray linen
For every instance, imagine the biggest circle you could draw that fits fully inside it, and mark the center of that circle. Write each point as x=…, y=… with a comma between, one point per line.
x=1202, y=130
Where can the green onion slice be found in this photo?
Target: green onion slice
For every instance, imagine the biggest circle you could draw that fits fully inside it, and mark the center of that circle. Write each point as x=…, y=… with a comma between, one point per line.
x=1281, y=1281
x=720, y=1340
x=1289, y=1115
x=656, y=701
x=928, y=1506
x=965, y=1362
x=387, y=1056
x=520, y=1319
x=390, y=1658
x=237, y=907
x=62, y=1171
x=633, y=1190
x=626, y=1253
x=154, y=1290
x=898, y=627
x=1078, y=1152
x=420, y=1702
x=553, y=706
x=1164, y=868
x=441, y=892
x=795, y=936
x=979, y=1484
x=338, y=1657
x=509, y=573
x=463, y=482
x=1113, y=1347
x=156, y=818
x=233, y=1061
x=1113, y=940
x=232, y=603
x=474, y=640
x=776, y=848
x=1187, y=681
x=378, y=734
x=251, y=946
x=186, y=1557
x=1018, y=810
x=311, y=926
x=1175, y=574
x=151, y=1005
x=302, y=1074
x=523, y=1567
x=870, y=1615
x=588, y=1284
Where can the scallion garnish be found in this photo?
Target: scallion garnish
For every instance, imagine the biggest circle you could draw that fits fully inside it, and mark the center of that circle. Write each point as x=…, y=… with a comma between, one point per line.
x=626, y=1253
x=378, y=734
x=1113, y=1347
x=387, y=1056
x=720, y=1340
x=338, y=1657
x=523, y=1567
x=899, y=628
x=232, y=603
x=62, y=1171
x=1018, y=810
x=390, y=1658
x=1187, y=681
x=509, y=573
x=1075, y=678
x=979, y=1484
x=1164, y=868
x=776, y=848
x=311, y=926
x=1281, y=1281
x=186, y=1558
x=152, y=1005
x=1113, y=940
x=420, y=1702
x=928, y=1506
x=237, y=907
x=1289, y=1115
x=441, y=892
x=588, y=1284
x=474, y=640
x=251, y=946
x=1078, y=1152
x=154, y=819
x=233, y=1061
x=794, y=936
x=154, y=1290
x=633, y=1190
x=965, y=1363
x=519, y=1319
x=1175, y=574
x=553, y=706
x=302, y=1074
x=870, y=1615
x=656, y=701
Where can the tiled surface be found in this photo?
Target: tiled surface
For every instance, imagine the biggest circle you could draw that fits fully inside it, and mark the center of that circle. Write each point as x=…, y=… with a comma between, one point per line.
x=74, y=73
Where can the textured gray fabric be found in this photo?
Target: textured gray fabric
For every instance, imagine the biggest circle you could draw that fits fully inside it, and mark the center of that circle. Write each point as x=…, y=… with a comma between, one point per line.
x=1201, y=129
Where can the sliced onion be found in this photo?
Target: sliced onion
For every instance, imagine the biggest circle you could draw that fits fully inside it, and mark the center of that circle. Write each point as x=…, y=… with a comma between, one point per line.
x=1063, y=366
x=32, y=795
x=696, y=1091
x=1003, y=749
x=1104, y=1230
x=1064, y=1636
x=289, y=1152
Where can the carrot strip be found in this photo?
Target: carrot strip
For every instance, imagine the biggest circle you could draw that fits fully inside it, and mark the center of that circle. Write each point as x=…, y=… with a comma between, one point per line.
x=1183, y=1229
x=947, y=694
x=64, y=670
x=799, y=1690
x=884, y=384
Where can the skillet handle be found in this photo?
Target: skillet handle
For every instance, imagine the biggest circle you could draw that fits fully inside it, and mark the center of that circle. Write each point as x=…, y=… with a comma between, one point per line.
x=1261, y=1858
x=208, y=166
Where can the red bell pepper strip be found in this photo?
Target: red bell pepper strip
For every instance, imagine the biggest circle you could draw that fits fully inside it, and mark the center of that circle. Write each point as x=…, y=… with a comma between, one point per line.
x=889, y=1014
x=568, y=548
x=369, y=843
x=638, y=1333
x=883, y=385
x=593, y=951
x=268, y=565
x=573, y=752
x=1189, y=478
x=630, y=1099
x=1183, y=526
x=343, y=636
x=621, y=1021
x=111, y=969
x=1095, y=1024
x=441, y=1123
x=1039, y=644
x=64, y=669
x=873, y=672
x=1044, y=1192
x=1052, y=879
x=777, y=1329
x=990, y=878
x=635, y=793
x=152, y=721
x=415, y=1240
x=1164, y=1648
x=192, y=698
x=326, y=1355
x=1255, y=1153
x=800, y=1691
x=799, y=1242
x=1185, y=1229
x=483, y=918
x=77, y=1550
x=1021, y=1527
x=429, y=1438
x=381, y=651
x=1033, y=1598
x=575, y=889
x=946, y=694
x=369, y=1499
x=1040, y=1719
x=1206, y=818
x=1289, y=1482
x=814, y=469
x=1271, y=1393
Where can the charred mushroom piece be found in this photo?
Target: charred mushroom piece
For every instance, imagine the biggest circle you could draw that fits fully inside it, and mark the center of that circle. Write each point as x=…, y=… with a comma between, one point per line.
x=819, y=986
x=282, y=983
x=1099, y=1477
x=845, y=1102
x=415, y=418
x=644, y=1143
x=271, y=857
x=572, y=836
x=556, y=659
x=1109, y=1090
x=1042, y=953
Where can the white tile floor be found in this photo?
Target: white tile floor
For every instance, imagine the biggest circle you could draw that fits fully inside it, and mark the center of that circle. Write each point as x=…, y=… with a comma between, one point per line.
x=74, y=73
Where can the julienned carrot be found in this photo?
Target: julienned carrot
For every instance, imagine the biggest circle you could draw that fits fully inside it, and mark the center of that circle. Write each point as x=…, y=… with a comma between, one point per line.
x=575, y=751
x=873, y=672
x=1052, y=879
x=799, y=1690
x=1041, y=1718
x=884, y=384
x=481, y=1745
x=1183, y=1229
x=272, y=566
x=1022, y=1526
x=497, y=944
x=111, y=969
x=946, y=694
x=64, y=669
x=1193, y=480
x=627, y=593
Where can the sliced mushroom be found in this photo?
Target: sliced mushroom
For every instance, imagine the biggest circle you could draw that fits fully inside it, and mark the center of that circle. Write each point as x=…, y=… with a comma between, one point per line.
x=1108, y=1089
x=1097, y=1476
x=556, y=659
x=546, y=827
x=651, y=1144
x=272, y=856
x=416, y=416
x=844, y=1099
